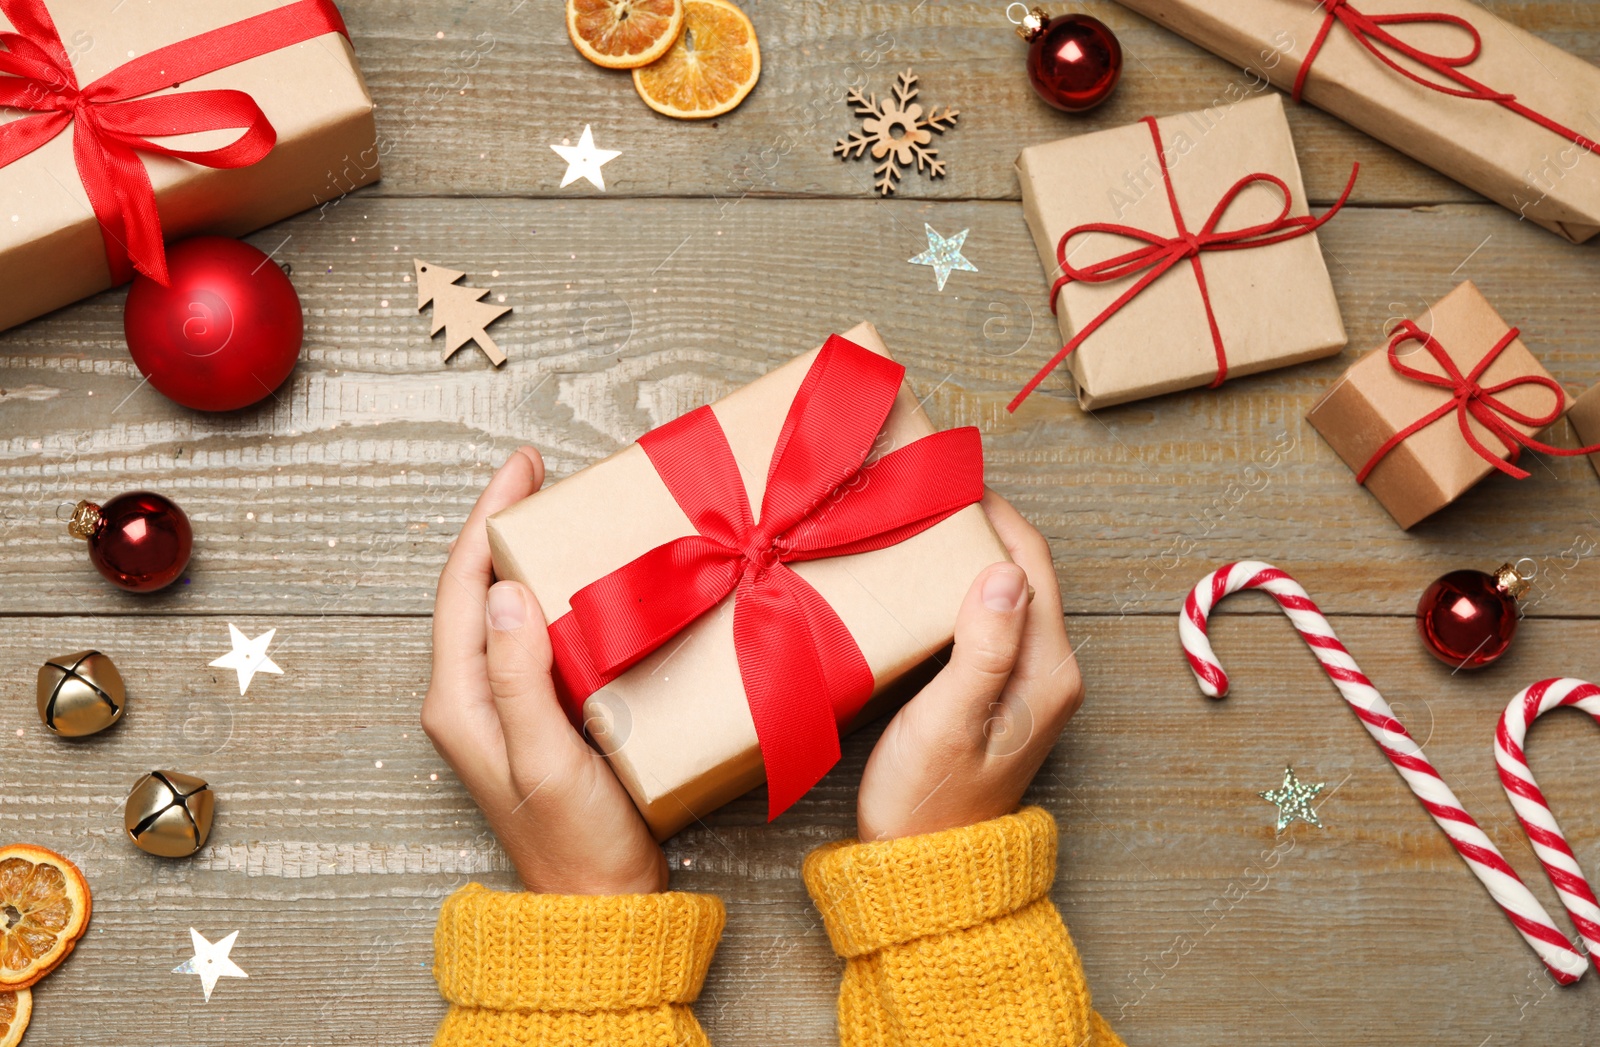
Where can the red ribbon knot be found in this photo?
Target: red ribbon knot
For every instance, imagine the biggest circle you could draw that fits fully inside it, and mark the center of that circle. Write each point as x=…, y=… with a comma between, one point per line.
x=1470, y=399
x=117, y=116
x=803, y=674
x=1160, y=253
x=761, y=555
x=1372, y=32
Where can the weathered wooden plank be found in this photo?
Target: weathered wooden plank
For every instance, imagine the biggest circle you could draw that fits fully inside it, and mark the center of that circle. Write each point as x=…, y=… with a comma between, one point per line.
x=335, y=842
x=339, y=495
x=448, y=80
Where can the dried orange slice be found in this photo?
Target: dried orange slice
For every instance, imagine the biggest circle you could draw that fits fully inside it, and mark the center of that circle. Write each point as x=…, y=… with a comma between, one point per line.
x=623, y=34
x=44, y=910
x=16, y=1007
x=709, y=69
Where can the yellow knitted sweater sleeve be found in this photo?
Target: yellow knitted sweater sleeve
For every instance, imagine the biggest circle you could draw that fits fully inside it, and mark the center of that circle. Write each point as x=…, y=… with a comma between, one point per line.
x=546, y=970
x=951, y=938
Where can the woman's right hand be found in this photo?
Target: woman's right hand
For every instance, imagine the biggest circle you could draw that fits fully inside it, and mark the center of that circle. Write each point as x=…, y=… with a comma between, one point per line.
x=965, y=749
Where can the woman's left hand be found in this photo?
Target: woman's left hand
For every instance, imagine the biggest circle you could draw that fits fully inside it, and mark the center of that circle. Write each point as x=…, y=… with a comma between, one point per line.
x=492, y=712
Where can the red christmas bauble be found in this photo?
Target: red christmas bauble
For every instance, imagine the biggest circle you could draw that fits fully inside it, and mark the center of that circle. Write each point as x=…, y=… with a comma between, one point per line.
x=223, y=334
x=1467, y=618
x=1074, y=62
x=139, y=541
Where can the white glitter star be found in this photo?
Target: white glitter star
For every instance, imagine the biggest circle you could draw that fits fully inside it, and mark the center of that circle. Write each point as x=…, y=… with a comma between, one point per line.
x=584, y=160
x=944, y=255
x=248, y=657
x=210, y=961
x=1293, y=799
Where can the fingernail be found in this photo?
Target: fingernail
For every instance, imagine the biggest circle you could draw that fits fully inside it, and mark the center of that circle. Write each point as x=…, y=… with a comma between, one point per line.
x=505, y=607
x=1004, y=589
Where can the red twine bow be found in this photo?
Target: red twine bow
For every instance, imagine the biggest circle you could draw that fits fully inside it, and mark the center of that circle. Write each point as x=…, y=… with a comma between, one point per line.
x=1372, y=33
x=1469, y=399
x=114, y=122
x=1160, y=253
x=803, y=674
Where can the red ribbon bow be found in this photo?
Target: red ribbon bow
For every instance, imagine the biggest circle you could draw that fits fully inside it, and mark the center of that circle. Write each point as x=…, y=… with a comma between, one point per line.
x=803, y=674
x=1372, y=33
x=1469, y=399
x=1160, y=253
x=114, y=122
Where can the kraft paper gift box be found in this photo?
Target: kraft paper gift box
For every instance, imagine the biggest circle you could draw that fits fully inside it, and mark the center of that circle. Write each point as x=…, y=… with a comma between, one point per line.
x=1372, y=402
x=1547, y=176
x=1274, y=304
x=51, y=248
x=1585, y=419
x=677, y=727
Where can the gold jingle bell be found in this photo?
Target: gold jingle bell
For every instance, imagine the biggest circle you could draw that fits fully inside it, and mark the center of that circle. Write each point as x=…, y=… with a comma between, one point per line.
x=80, y=694
x=169, y=814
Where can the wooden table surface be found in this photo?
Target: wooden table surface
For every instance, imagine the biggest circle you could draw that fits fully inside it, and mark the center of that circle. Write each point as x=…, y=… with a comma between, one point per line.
x=719, y=250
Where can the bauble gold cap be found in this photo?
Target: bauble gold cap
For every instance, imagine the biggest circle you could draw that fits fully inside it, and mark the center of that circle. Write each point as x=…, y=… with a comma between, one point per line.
x=1032, y=23
x=80, y=694
x=1511, y=581
x=86, y=521
x=169, y=814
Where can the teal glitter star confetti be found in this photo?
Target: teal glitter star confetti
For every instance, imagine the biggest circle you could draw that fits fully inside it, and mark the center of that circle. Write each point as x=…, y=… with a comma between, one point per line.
x=944, y=255
x=1293, y=799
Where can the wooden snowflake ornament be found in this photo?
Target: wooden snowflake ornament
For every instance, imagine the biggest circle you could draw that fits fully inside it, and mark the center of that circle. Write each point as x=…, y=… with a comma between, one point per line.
x=457, y=311
x=896, y=132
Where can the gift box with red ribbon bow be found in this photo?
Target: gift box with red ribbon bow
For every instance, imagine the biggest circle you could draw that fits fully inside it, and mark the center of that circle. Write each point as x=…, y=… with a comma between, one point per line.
x=130, y=123
x=1181, y=253
x=1444, y=81
x=1451, y=398
x=744, y=584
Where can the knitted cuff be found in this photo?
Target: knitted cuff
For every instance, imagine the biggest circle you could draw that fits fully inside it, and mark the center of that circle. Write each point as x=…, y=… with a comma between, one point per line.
x=549, y=952
x=873, y=895
x=670, y=1025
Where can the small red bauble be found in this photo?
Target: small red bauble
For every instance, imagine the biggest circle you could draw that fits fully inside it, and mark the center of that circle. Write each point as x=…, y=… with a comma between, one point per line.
x=139, y=541
x=1467, y=618
x=223, y=334
x=1074, y=62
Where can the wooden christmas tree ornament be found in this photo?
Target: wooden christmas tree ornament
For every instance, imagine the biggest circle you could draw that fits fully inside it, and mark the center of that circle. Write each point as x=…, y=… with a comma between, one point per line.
x=457, y=311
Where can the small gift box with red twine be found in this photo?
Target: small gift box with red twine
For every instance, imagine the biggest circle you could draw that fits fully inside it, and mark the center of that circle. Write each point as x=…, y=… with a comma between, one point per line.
x=1585, y=418
x=143, y=120
x=1453, y=397
x=1181, y=253
x=707, y=645
x=1446, y=82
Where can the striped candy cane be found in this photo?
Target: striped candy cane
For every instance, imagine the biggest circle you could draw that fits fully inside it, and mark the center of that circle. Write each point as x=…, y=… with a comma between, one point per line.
x=1480, y=853
x=1548, y=842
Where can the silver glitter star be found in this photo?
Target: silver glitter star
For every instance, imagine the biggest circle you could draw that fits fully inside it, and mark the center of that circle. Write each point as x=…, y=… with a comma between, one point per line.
x=944, y=255
x=1293, y=799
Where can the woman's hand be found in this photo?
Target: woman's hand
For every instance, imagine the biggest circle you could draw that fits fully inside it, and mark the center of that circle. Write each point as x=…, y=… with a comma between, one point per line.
x=492, y=712
x=964, y=749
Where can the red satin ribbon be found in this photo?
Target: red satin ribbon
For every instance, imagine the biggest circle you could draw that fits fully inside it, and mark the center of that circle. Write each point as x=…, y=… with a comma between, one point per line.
x=1371, y=32
x=803, y=674
x=1160, y=253
x=1469, y=399
x=114, y=122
